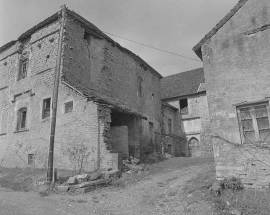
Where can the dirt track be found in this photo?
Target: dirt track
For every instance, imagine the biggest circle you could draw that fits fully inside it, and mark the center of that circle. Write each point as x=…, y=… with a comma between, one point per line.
x=159, y=193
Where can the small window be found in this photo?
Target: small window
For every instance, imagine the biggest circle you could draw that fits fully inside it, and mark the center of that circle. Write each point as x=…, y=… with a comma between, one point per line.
x=46, y=108
x=140, y=87
x=169, y=149
x=21, y=123
x=86, y=37
x=184, y=106
x=153, y=96
x=23, y=69
x=68, y=107
x=254, y=123
x=31, y=159
x=151, y=132
x=170, y=126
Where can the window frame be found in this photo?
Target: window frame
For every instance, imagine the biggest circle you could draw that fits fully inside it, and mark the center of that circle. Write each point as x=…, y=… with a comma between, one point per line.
x=31, y=159
x=20, y=119
x=23, y=62
x=254, y=119
x=65, y=103
x=43, y=109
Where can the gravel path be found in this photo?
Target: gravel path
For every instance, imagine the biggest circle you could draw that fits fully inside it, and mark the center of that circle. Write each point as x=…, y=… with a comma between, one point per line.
x=160, y=193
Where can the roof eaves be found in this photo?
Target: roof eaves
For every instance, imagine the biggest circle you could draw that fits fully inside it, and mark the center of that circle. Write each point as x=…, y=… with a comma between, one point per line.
x=7, y=45
x=197, y=47
x=168, y=105
x=182, y=96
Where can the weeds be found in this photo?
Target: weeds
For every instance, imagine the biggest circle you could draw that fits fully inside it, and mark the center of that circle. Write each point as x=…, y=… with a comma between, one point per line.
x=233, y=196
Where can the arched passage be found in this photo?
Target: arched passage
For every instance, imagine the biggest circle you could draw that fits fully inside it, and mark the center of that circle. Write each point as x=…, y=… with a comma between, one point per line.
x=194, y=147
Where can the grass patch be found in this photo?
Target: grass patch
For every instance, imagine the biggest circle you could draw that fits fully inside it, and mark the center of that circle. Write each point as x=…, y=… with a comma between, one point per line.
x=19, y=179
x=249, y=202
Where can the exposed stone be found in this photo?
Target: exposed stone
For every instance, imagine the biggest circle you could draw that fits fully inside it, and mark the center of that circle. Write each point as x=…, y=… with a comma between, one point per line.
x=93, y=183
x=95, y=176
x=112, y=173
x=235, y=212
x=216, y=188
x=82, y=178
x=63, y=188
x=72, y=180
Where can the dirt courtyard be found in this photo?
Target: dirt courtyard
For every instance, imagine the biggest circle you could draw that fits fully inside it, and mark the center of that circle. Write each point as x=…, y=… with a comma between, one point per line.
x=157, y=191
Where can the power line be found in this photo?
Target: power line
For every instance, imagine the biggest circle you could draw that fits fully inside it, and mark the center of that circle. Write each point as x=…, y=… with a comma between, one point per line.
x=153, y=47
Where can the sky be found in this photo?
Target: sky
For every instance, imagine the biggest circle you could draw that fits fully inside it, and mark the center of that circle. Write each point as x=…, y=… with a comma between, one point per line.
x=172, y=25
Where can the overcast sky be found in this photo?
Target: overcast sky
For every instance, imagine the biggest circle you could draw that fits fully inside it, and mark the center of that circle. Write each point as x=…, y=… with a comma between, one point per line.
x=172, y=25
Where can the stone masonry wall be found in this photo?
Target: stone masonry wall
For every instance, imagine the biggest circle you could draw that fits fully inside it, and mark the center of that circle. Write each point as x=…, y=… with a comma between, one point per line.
x=74, y=129
x=236, y=65
x=197, y=108
x=112, y=73
x=173, y=139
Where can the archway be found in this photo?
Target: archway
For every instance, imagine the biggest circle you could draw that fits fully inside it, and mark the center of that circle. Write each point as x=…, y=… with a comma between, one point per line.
x=194, y=147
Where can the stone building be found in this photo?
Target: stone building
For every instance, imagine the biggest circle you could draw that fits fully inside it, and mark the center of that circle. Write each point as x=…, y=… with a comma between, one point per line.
x=109, y=103
x=186, y=92
x=171, y=133
x=236, y=62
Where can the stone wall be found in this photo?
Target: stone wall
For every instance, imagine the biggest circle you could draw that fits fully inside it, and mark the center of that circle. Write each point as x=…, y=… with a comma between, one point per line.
x=176, y=138
x=97, y=65
x=197, y=109
x=236, y=66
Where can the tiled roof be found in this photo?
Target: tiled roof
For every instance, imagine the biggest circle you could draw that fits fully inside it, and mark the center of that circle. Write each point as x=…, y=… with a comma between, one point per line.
x=182, y=84
x=197, y=48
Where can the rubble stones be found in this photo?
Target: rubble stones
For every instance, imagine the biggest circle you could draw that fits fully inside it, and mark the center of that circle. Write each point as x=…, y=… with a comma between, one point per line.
x=112, y=174
x=95, y=176
x=93, y=183
x=63, y=188
x=82, y=178
x=72, y=180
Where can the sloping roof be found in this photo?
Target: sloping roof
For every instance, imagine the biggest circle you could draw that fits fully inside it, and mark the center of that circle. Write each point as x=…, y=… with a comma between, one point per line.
x=197, y=48
x=89, y=27
x=182, y=84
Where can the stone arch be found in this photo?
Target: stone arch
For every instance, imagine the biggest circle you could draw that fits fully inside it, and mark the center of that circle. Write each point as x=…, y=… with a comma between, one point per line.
x=194, y=147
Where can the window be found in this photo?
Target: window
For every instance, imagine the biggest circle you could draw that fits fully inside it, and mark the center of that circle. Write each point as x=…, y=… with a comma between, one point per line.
x=21, y=122
x=86, y=37
x=151, y=131
x=140, y=87
x=31, y=158
x=68, y=107
x=184, y=106
x=170, y=126
x=254, y=123
x=169, y=149
x=153, y=96
x=46, y=108
x=23, y=69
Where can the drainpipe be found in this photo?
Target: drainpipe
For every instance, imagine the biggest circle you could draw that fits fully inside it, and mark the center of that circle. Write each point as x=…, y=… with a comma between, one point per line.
x=55, y=96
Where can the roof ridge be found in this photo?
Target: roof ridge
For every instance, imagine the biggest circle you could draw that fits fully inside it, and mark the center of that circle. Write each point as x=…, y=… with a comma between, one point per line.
x=182, y=72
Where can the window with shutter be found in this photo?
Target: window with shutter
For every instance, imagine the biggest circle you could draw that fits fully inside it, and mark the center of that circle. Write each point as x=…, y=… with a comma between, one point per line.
x=21, y=119
x=254, y=123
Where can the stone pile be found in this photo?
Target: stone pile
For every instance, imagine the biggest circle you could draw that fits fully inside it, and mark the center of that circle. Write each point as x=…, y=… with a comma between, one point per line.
x=133, y=164
x=87, y=182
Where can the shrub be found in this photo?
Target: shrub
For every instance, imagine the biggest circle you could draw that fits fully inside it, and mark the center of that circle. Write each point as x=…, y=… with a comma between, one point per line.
x=233, y=183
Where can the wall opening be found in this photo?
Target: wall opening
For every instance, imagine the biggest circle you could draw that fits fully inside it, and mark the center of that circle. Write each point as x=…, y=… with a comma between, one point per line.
x=123, y=133
x=183, y=106
x=194, y=147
